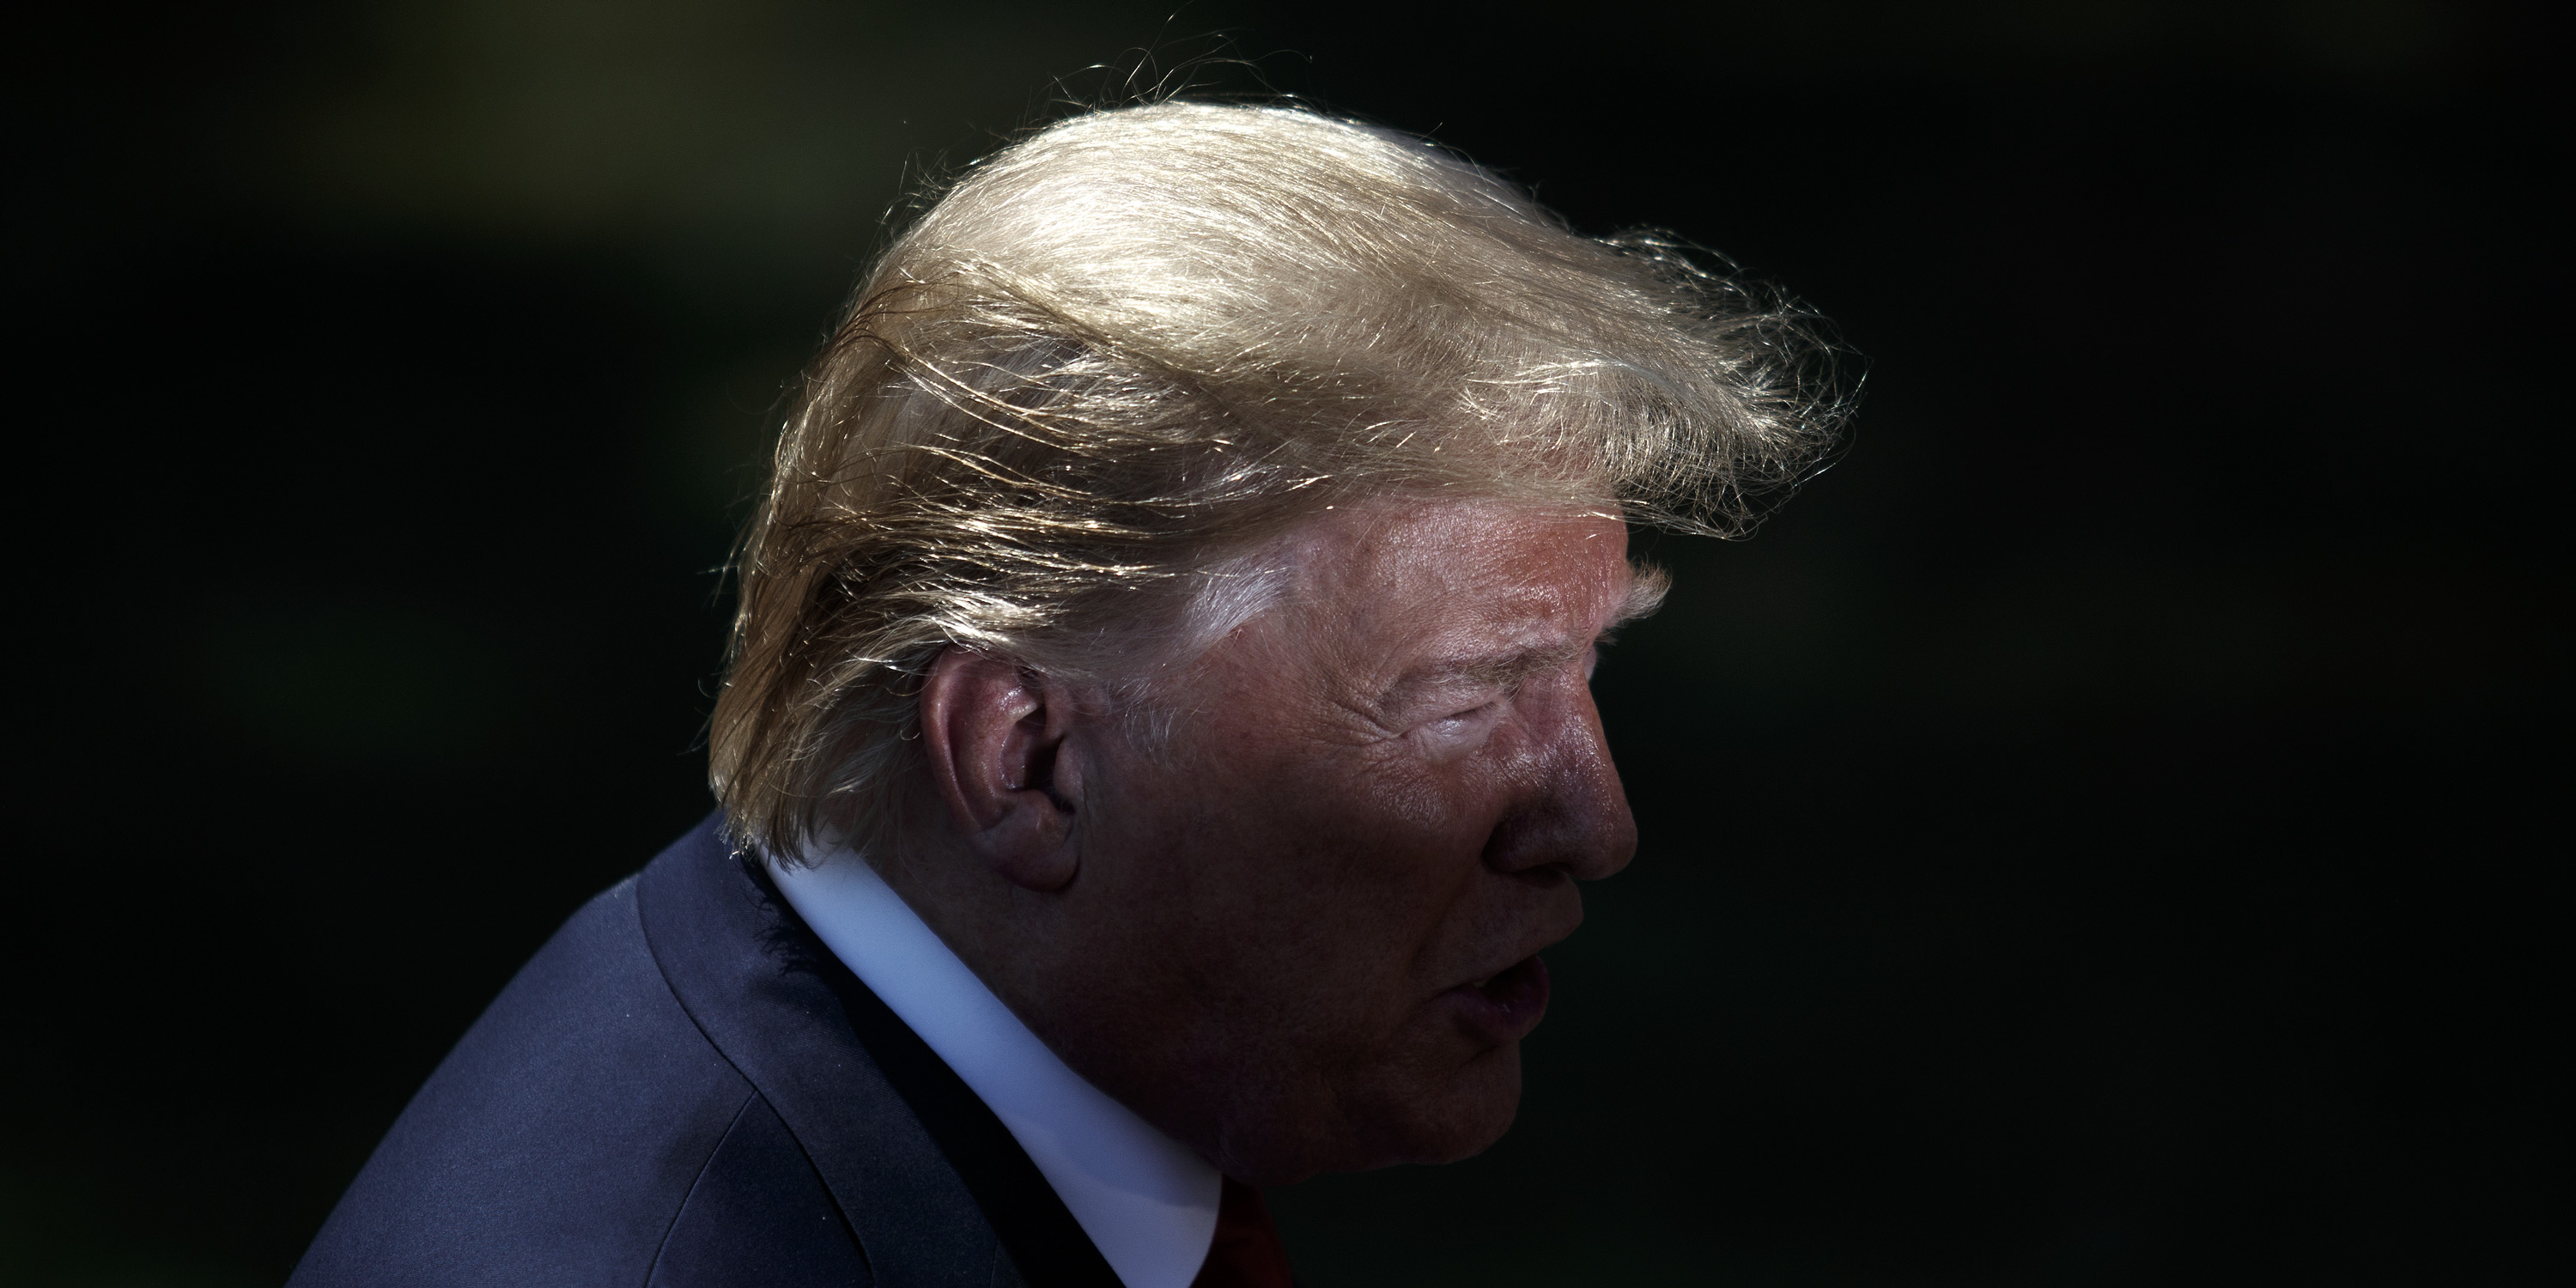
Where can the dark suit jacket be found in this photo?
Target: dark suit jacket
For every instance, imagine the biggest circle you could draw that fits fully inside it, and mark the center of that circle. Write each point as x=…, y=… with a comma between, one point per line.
x=685, y=1088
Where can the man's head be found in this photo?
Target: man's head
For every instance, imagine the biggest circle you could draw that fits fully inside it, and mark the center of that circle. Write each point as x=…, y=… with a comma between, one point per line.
x=1182, y=579
x=1293, y=913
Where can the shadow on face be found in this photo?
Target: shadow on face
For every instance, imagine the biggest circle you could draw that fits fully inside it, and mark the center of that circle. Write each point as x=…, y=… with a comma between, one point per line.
x=1306, y=929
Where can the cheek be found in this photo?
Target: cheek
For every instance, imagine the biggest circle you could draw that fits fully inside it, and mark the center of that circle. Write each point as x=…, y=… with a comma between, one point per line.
x=1309, y=878
x=1446, y=802
x=1352, y=861
x=1405, y=852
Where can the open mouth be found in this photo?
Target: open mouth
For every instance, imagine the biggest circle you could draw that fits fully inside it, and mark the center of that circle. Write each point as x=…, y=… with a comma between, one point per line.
x=1506, y=1005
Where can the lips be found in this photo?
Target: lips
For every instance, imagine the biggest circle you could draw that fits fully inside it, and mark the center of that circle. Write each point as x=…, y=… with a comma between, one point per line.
x=1505, y=1006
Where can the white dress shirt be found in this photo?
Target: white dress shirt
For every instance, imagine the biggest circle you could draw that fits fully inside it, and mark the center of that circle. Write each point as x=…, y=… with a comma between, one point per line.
x=1148, y=1202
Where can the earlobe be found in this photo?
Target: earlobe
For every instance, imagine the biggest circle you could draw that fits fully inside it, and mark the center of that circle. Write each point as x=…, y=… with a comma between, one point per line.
x=995, y=734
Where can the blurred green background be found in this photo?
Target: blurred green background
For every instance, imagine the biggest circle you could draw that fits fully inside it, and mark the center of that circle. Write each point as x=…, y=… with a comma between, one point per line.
x=2098, y=834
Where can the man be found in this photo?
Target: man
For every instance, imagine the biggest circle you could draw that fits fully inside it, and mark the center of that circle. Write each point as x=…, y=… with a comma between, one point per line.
x=1157, y=744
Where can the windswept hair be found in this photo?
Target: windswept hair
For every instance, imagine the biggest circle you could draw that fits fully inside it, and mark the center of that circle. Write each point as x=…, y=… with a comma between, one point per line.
x=1140, y=342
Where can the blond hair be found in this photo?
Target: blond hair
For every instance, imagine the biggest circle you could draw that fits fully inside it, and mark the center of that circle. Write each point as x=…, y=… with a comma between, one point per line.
x=1138, y=342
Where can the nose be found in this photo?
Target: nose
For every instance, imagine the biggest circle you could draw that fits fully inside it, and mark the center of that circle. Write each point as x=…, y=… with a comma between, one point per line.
x=1567, y=809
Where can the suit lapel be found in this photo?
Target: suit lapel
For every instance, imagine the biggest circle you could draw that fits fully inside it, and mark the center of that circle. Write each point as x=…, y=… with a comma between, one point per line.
x=932, y=1183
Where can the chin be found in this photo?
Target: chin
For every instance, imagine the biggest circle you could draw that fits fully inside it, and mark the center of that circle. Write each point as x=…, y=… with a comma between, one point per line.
x=1465, y=1118
x=1402, y=1119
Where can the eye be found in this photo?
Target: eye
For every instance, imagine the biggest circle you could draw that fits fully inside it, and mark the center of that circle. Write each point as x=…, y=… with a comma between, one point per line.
x=1462, y=726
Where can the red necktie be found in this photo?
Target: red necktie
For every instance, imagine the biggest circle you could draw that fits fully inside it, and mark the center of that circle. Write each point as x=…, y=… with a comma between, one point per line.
x=1246, y=1251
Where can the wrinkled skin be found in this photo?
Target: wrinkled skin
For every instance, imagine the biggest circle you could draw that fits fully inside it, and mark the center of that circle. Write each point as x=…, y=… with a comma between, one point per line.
x=1301, y=933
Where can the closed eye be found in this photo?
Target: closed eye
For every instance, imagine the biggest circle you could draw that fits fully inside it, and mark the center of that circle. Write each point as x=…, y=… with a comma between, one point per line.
x=1461, y=727
x=1471, y=714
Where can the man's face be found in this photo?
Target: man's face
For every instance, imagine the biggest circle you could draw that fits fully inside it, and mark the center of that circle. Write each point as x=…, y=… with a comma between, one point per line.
x=1311, y=915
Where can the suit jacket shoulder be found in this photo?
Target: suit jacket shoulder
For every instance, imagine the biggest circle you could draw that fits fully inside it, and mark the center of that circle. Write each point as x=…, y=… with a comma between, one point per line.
x=675, y=1091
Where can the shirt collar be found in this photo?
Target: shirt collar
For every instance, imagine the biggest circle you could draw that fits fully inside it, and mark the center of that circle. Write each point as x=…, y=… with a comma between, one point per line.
x=1148, y=1202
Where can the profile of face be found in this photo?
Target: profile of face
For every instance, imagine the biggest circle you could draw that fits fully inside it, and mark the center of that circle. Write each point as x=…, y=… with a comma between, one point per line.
x=1295, y=921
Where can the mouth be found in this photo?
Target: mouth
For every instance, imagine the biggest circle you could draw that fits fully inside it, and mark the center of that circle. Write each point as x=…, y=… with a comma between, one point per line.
x=1504, y=1006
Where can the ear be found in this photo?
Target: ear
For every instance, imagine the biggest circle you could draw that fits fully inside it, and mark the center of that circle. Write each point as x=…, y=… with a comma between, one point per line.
x=994, y=732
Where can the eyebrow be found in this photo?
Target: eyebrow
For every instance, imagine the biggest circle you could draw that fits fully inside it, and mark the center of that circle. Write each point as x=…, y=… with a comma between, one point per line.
x=1647, y=585
x=1506, y=670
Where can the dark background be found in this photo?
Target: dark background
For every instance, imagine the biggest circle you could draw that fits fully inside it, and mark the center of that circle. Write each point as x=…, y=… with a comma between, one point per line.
x=2091, y=836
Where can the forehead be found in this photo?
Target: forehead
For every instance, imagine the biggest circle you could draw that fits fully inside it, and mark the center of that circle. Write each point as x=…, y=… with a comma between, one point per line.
x=1394, y=574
